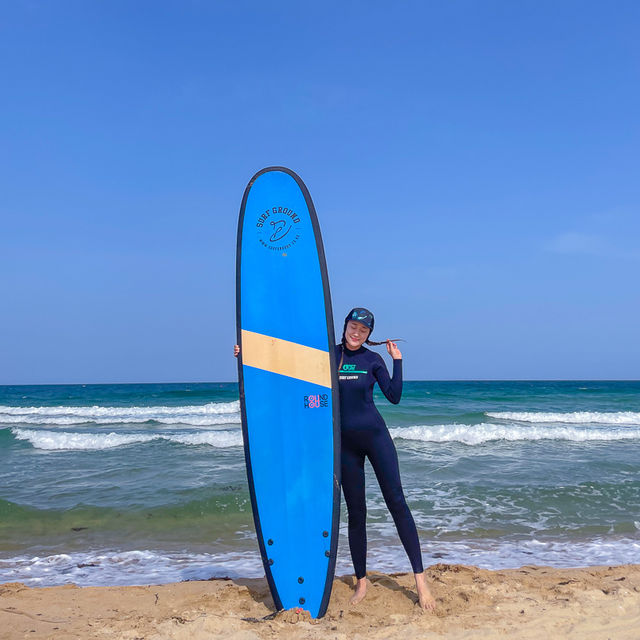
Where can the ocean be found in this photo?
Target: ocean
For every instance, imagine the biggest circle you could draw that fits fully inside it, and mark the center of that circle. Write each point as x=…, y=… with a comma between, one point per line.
x=146, y=483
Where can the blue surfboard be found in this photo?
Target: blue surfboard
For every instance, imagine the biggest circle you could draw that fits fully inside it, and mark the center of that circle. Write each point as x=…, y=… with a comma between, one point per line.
x=288, y=389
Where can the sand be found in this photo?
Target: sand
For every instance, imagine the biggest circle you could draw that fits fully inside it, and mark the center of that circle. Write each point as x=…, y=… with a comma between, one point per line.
x=530, y=602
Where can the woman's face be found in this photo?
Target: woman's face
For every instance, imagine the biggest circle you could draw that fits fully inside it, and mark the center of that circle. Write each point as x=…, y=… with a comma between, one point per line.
x=355, y=334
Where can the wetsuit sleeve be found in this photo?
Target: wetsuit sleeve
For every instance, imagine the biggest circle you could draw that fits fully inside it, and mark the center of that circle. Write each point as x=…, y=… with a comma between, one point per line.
x=391, y=387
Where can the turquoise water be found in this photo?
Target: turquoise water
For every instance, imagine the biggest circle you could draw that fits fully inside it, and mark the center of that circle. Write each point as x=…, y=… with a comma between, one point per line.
x=136, y=484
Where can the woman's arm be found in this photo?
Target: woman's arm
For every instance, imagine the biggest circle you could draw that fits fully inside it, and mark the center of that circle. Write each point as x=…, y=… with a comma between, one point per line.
x=390, y=386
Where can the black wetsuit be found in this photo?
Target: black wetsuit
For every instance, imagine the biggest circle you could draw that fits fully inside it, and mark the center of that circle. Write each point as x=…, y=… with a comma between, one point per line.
x=364, y=433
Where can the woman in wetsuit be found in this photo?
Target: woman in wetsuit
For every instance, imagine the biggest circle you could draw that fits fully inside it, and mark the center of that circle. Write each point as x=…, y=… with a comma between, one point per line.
x=365, y=434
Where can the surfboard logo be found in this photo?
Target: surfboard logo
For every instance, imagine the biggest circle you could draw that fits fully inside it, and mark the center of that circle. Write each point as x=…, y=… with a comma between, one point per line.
x=316, y=401
x=277, y=228
x=281, y=228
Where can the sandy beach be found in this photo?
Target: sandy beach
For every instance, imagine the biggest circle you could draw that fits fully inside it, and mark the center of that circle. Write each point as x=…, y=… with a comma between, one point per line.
x=530, y=602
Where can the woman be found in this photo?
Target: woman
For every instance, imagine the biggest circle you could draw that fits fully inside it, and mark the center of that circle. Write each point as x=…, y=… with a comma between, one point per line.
x=365, y=434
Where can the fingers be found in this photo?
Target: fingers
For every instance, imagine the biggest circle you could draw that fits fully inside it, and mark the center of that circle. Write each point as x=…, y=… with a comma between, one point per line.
x=392, y=349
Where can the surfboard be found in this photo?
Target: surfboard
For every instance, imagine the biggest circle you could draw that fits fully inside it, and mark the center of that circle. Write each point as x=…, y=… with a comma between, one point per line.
x=288, y=389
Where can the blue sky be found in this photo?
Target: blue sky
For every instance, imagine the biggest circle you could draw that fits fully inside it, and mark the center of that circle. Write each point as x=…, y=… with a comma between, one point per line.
x=474, y=166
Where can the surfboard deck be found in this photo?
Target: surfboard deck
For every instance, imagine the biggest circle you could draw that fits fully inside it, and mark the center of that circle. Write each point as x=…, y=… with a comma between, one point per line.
x=288, y=388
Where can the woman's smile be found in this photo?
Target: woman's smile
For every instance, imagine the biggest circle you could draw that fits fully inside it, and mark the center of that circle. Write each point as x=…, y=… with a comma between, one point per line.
x=356, y=334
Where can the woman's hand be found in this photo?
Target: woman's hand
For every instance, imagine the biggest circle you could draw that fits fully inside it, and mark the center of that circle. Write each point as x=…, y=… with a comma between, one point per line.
x=393, y=350
x=236, y=350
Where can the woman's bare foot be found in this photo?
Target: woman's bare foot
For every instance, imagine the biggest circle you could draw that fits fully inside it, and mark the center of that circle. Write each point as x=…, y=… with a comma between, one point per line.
x=425, y=599
x=361, y=591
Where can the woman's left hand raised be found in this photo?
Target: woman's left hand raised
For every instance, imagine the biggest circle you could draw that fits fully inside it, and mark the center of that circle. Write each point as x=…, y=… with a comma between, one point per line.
x=393, y=350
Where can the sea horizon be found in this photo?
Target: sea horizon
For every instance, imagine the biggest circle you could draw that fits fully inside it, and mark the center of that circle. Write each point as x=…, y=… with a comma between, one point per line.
x=53, y=384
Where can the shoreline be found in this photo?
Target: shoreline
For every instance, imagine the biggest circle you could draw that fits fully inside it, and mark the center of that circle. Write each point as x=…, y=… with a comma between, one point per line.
x=530, y=602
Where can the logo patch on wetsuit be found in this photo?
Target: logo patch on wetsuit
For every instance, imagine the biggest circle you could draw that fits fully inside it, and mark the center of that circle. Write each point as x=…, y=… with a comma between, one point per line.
x=349, y=369
x=316, y=401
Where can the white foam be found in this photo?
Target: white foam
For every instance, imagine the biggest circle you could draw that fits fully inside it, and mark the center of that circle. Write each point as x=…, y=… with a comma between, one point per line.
x=214, y=438
x=575, y=417
x=486, y=432
x=110, y=567
x=68, y=441
x=209, y=414
x=388, y=556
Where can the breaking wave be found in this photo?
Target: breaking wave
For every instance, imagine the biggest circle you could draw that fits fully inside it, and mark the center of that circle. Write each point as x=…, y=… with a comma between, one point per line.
x=67, y=441
x=213, y=413
x=486, y=432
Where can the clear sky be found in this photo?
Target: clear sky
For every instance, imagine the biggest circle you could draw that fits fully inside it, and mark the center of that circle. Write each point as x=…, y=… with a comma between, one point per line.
x=474, y=165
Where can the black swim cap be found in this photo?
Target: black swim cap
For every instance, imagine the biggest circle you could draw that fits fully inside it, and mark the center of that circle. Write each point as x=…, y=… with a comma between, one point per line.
x=360, y=314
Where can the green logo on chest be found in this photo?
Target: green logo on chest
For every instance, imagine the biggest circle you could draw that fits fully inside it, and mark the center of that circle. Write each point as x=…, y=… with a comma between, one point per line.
x=350, y=368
